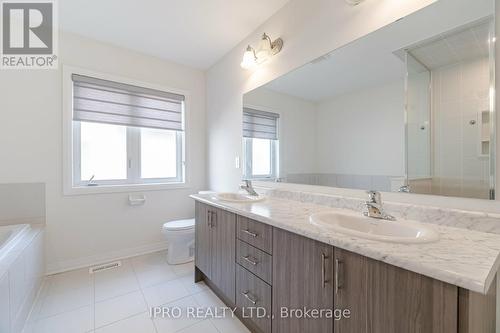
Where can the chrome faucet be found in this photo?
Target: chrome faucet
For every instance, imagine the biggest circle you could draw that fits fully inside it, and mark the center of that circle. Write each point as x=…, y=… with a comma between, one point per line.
x=374, y=208
x=247, y=186
x=405, y=189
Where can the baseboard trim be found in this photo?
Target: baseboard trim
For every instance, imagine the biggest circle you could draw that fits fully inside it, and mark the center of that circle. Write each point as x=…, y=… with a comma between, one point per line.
x=69, y=265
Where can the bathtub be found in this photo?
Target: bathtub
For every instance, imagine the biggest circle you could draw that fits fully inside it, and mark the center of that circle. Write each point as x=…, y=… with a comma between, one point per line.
x=9, y=235
x=21, y=272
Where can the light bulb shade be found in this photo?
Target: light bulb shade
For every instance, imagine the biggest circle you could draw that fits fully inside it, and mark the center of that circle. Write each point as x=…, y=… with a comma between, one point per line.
x=249, y=59
x=264, y=51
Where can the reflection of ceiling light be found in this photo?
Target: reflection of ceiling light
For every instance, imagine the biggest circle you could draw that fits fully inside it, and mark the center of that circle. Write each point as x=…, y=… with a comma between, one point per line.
x=267, y=48
x=354, y=2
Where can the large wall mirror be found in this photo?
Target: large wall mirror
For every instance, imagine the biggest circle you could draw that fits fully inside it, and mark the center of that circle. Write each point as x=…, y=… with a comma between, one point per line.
x=409, y=107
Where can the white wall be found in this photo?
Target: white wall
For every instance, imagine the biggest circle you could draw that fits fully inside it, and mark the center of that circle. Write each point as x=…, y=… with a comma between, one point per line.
x=297, y=128
x=362, y=133
x=310, y=29
x=87, y=228
x=460, y=93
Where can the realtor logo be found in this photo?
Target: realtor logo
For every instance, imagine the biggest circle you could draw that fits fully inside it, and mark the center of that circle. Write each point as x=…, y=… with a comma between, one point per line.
x=29, y=34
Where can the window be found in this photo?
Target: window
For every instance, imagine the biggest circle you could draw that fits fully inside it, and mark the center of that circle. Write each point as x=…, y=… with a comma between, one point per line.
x=260, y=144
x=125, y=134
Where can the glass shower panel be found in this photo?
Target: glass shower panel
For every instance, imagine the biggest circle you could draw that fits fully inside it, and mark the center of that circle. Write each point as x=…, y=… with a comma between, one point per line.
x=449, y=114
x=418, y=122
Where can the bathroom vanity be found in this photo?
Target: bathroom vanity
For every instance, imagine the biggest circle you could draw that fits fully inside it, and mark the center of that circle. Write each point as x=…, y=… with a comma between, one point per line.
x=267, y=255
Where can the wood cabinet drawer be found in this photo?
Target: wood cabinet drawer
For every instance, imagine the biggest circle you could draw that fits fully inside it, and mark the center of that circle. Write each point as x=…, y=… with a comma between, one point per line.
x=253, y=298
x=255, y=233
x=256, y=261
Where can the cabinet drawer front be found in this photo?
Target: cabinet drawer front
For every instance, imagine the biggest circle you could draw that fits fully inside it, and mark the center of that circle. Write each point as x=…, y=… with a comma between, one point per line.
x=255, y=260
x=252, y=294
x=255, y=233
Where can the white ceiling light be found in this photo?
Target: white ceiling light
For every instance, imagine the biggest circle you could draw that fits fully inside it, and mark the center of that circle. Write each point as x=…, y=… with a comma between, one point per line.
x=249, y=58
x=354, y=2
x=267, y=48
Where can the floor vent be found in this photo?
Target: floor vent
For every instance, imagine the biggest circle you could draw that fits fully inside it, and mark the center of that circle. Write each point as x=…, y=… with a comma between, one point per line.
x=105, y=267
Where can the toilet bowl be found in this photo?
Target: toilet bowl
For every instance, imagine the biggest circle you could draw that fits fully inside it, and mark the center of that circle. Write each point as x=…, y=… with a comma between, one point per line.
x=180, y=239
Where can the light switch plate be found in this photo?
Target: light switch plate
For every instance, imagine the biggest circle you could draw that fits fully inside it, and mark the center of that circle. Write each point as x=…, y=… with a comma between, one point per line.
x=237, y=162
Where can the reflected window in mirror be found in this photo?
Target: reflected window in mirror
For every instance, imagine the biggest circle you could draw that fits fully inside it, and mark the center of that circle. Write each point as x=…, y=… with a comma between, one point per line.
x=260, y=144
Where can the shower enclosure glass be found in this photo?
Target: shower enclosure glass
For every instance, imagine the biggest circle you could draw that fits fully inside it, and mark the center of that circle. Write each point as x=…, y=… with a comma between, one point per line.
x=450, y=113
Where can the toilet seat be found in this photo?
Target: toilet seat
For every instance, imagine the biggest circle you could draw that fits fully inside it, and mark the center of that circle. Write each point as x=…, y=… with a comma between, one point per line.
x=179, y=225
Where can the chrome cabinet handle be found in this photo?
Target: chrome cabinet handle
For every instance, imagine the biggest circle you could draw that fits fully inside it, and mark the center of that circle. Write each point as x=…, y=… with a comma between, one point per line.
x=209, y=219
x=324, y=281
x=338, y=285
x=250, y=299
x=248, y=232
x=213, y=219
x=247, y=259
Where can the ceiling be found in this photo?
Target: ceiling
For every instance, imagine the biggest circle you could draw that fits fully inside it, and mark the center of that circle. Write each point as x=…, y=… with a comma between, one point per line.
x=375, y=59
x=465, y=44
x=195, y=33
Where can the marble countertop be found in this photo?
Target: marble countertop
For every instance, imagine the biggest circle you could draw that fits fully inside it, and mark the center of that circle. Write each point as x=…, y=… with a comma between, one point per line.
x=465, y=258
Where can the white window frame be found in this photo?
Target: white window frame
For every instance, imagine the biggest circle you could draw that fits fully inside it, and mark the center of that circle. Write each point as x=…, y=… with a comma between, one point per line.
x=72, y=182
x=248, y=152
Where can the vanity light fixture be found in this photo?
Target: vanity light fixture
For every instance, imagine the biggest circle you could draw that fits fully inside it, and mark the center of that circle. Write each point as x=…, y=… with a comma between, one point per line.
x=354, y=2
x=267, y=48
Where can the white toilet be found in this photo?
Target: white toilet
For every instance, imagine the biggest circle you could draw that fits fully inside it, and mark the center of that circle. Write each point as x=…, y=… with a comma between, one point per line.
x=180, y=239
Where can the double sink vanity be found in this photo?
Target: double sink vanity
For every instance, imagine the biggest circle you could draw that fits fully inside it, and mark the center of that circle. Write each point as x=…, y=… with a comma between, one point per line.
x=292, y=265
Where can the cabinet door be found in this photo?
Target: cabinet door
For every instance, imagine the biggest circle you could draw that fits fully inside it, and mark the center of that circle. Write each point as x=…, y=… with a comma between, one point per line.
x=302, y=277
x=224, y=252
x=386, y=299
x=351, y=291
x=403, y=301
x=203, y=252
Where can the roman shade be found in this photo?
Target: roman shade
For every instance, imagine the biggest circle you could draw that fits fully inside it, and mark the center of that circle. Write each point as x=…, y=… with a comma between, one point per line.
x=109, y=102
x=260, y=124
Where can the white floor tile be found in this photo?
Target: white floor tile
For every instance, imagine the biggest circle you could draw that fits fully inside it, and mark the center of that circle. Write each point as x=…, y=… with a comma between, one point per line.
x=208, y=299
x=229, y=325
x=169, y=324
x=165, y=293
x=205, y=326
x=115, y=282
x=66, y=301
x=118, y=300
x=140, y=323
x=184, y=269
x=77, y=321
x=155, y=275
x=192, y=287
x=119, y=308
x=149, y=261
x=64, y=282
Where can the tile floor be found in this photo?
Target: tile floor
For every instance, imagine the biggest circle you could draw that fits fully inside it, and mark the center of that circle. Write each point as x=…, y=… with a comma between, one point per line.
x=119, y=300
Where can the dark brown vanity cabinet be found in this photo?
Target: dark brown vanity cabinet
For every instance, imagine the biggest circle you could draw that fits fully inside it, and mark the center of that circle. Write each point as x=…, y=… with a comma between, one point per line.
x=303, y=277
x=216, y=248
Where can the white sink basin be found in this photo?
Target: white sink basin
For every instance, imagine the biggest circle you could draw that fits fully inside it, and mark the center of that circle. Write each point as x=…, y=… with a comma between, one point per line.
x=238, y=197
x=402, y=231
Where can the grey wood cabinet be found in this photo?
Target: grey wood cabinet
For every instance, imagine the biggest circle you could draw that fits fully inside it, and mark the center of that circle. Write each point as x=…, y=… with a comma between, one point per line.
x=302, y=278
x=203, y=239
x=386, y=299
x=224, y=252
x=216, y=248
x=253, y=298
x=284, y=271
